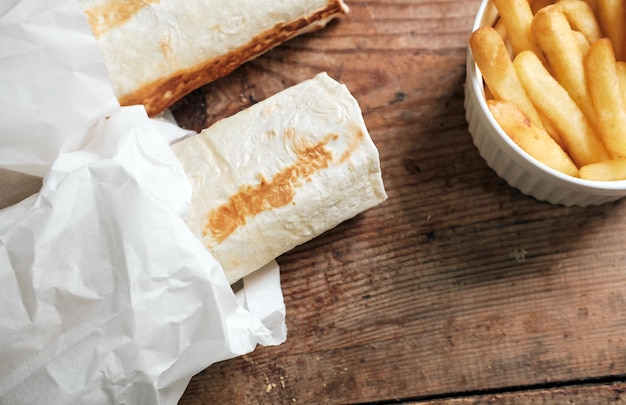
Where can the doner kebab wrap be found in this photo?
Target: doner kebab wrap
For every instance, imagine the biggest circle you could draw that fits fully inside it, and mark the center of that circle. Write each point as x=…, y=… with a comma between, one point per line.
x=280, y=173
x=157, y=51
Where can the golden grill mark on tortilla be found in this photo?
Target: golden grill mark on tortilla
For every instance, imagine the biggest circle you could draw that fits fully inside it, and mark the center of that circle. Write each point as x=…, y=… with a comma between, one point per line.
x=160, y=94
x=250, y=201
x=352, y=146
x=113, y=13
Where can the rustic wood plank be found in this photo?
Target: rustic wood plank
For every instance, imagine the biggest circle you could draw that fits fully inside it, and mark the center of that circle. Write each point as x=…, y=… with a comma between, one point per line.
x=14, y=187
x=458, y=283
x=577, y=394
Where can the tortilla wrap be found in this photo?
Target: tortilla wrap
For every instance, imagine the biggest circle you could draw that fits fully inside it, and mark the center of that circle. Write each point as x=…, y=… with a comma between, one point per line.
x=280, y=173
x=157, y=51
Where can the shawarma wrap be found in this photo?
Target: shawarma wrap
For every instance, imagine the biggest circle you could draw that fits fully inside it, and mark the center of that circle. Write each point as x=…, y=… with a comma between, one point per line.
x=280, y=173
x=157, y=51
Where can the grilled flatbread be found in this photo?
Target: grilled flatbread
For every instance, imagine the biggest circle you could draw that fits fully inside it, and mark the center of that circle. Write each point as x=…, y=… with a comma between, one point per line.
x=278, y=174
x=157, y=51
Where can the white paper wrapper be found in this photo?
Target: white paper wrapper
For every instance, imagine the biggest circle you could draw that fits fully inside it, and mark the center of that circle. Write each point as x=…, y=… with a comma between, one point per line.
x=107, y=295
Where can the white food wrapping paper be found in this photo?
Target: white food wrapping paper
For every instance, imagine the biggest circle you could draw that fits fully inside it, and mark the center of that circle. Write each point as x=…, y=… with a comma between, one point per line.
x=107, y=296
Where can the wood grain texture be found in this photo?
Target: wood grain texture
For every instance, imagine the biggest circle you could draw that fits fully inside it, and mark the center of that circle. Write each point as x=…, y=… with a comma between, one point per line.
x=595, y=394
x=14, y=187
x=458, y=283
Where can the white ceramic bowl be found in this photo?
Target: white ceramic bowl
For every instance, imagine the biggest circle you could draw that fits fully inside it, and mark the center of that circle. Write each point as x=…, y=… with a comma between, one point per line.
x=509, y=161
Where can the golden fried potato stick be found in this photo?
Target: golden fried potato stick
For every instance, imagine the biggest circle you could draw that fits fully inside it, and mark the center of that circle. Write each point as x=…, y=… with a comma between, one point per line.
x=609, y=170
x=621, y=73
x=533, y=140
x=582, y=19
x=500, y=28
x=606, y=94
x=560, y=45
x=536, y=5
x=594, y=6
x=494, y=62
x=551, y=130
x=552, y=100
x=517, y=18
x=612, y=16
x=583, y=43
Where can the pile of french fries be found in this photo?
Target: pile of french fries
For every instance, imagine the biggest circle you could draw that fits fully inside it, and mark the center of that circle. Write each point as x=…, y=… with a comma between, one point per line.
x=555, y=80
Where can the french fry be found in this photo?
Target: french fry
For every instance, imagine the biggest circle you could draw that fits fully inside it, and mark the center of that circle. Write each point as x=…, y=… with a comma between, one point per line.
x=621, y=73
x=536, y=5
x=499, y=26
x=609, y=170
x=560, y=44
x=612, y=16
x=517, y=18
x=532, y=139
x=606, y=95
x=583, y=43
x=494, y=62
x=562, y=98
x=582, y=19
x=594, y=6
x=552, y=100
x=551, y=130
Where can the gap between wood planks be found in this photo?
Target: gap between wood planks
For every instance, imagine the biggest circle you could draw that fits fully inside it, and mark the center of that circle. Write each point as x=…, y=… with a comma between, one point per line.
x=606, y=380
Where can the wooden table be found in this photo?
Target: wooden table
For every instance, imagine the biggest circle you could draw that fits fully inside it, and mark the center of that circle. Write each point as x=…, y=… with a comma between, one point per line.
x=458, y=289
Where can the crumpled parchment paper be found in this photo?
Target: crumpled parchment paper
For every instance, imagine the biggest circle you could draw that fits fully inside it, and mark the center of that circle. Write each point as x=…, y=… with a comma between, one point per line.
x=107, y=296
